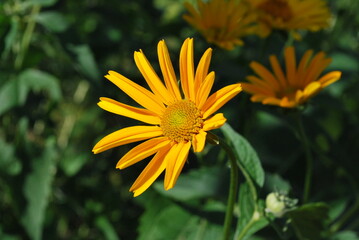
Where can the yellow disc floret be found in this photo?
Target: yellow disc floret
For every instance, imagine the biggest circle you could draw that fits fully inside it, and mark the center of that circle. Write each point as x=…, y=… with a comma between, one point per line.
x=181, y=121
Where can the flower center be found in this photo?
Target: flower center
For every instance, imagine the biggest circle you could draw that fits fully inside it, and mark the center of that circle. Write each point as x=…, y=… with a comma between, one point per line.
x=181, y=121
x=277, y=9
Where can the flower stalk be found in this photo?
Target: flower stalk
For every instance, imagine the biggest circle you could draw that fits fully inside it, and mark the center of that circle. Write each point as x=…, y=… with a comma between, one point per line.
x=233, y=189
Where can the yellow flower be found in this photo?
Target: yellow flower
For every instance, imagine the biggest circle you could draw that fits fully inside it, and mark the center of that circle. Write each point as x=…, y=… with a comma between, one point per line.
x=221, y=22
x=290, y=15
x=296, y=85
x=176, y=122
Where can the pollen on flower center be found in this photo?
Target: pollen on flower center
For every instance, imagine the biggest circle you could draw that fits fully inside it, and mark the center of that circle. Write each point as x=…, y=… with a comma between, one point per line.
x=181, y=121
x=277, y=8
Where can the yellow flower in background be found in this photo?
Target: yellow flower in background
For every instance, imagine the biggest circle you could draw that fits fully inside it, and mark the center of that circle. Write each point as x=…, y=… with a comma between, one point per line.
x=293, y=87
x=175, y=120
x=221, y=22
x=290, y=15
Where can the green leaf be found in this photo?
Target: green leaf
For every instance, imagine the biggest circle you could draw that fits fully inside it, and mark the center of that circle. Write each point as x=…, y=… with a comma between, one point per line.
x=345, y=235
x=45, y=3
x=275, y=183
x=163, y=220
x=11, y=37
x=108, y=230
x=36, y=80
x=308, y=220
x=37, y=189
x=198, y=183
x=8, y=161
x=344, y=62
x=247, y=216
x=86, y=61
x=245, y=154
x=72, y=163
x=8, y=95
x=53, y=21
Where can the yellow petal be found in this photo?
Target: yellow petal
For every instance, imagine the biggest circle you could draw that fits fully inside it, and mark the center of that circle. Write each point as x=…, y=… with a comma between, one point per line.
x=214, y=122
x=125, y=136
x=152, y=79
x=278, y=71
x=315, y=68
x=330, y=78
x=199, y=141
x=151, y=172
x=302, y=67
x=312, y=89
x=290, y=63
x=167, y=70
x=265, y=74
x=202, y=69
x=255, y=89
x=187, y=69
x=175, y=161
x=258, y=98
x=219, y=98
x=285, y=102
x=204, y=90
x=260, y=83
x=271, y=101
x=143, y=115
x=142, y=151
x=141, y=95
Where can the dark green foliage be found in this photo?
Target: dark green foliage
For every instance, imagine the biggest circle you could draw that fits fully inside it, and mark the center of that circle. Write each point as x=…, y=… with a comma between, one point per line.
x=53, y=56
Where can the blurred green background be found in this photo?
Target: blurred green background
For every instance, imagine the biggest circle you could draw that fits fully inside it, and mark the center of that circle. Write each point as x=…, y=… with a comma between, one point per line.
x=54, y=54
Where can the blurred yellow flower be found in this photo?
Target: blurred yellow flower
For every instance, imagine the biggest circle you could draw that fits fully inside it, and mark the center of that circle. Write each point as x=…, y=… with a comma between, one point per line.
x=221, y=22
x=176, y=122
x=296, y=85
x=290, y=15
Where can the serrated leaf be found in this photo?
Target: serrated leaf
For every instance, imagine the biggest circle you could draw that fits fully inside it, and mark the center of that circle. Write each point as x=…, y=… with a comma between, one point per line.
x=198, y=183
x=308, y=220
x=53, y=21
x=37, y=189
x=245, y=153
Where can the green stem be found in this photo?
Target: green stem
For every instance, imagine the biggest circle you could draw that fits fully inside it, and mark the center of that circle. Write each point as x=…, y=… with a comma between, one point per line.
x=308, y=156
x=26, y=38
x=233, y=187
x=353, y=210
x=248, y=226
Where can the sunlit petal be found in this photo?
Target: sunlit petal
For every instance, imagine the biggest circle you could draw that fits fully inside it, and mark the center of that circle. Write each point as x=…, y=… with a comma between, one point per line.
x=175, y=161
x=151, y=172
x=125, y=136
x=140, y=114
x=141, y=95
x=199, y=141
x=219, y=98
x=142, y=151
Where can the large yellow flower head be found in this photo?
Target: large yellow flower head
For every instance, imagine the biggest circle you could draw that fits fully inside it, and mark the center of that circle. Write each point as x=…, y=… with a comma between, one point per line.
x=175, y=120
x=293, y=87
x=290, y=15
x=221, y=22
